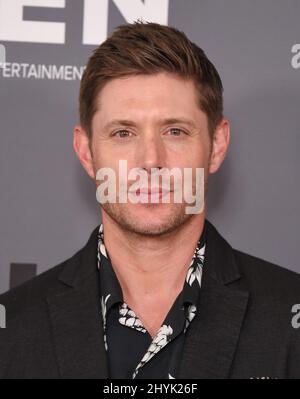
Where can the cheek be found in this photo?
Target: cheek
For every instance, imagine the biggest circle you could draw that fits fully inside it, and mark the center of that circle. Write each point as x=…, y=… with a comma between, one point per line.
x=194, y=152
x=192, y=157
x=106, y=152
x=118, y=162
x=202, y=154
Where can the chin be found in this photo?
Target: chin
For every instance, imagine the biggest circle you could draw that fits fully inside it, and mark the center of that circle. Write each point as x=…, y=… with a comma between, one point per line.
x=148, y=219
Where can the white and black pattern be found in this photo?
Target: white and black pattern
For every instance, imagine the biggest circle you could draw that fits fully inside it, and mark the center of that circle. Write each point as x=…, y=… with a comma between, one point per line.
x=195, y=269
x=159, y=341
x=129, y=318
x=101, y=246
x=191, y=313
x=200, y=253
x=103, y=308
x=174, y=323
x=103, y=250
x=194, y=273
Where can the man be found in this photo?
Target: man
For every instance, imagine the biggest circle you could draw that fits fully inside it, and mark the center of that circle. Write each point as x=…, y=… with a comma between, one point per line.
x=156, y=292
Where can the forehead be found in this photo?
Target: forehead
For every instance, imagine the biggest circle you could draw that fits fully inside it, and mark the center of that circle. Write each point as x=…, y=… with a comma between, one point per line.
x=148, y=96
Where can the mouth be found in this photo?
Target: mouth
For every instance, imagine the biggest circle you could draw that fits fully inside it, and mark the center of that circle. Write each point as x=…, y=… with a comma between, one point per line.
x=146, y=194
x=153, y=190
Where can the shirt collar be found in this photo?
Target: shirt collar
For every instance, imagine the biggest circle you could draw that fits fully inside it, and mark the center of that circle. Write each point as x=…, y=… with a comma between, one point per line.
x=109, y=283
x=110, y=288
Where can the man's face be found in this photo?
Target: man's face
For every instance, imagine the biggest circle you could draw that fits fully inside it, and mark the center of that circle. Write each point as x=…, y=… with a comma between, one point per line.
x=165, y=129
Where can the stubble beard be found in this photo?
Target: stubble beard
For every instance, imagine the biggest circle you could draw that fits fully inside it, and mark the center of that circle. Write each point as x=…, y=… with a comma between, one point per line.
x=129, y=222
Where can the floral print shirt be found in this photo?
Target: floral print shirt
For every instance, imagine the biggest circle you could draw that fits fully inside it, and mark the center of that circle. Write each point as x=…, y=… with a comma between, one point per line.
x=132, y=353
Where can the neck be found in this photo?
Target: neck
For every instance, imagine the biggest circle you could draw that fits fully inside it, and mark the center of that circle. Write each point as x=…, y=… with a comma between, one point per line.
x=151, y=267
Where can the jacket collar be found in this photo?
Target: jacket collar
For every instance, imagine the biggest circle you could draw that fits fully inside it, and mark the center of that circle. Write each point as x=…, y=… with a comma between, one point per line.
x=222, y=265
x=82, y=265
x=213, y=337
x=219, y=254
x=210, y=342
x=76, y=318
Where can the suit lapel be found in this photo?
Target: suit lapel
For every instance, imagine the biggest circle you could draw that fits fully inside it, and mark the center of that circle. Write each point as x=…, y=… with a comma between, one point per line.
x=212, y=337
x=76, y=318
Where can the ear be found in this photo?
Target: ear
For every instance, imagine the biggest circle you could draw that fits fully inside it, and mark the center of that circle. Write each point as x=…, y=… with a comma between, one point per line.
x=81, y=145
x=220, y=145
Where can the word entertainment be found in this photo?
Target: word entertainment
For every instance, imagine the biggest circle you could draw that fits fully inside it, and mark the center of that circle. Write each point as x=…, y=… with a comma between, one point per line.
x=154, y=187
x=40, y=71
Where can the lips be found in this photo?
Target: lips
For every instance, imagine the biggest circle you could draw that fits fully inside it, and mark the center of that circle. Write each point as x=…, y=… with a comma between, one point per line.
x=152, y=191
x=149, y=195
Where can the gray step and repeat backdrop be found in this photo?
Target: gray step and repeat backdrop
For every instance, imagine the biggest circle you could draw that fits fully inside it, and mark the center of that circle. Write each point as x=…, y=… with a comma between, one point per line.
x=47, y=204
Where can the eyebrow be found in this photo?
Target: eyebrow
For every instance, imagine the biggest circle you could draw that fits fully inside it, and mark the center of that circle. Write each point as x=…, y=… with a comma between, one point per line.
x=167, y=121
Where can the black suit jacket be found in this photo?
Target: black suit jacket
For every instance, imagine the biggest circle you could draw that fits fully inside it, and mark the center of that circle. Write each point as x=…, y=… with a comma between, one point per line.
x=243, y=327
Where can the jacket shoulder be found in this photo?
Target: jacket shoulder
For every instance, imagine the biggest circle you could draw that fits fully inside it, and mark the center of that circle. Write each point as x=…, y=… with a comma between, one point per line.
x=52, y=281
x=268, y=277
x=33, y=291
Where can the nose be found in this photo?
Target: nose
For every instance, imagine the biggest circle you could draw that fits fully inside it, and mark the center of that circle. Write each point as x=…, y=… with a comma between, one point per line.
x=151, y=152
